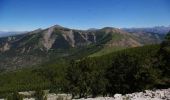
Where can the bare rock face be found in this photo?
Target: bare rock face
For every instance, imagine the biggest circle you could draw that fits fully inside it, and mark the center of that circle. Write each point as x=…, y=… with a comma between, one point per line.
x=73, y=38
x=29, y=99
x=160, y=94
x=27, y=93
x=6, y=47
x=118, y=96
x=69, y=36
x=51, y=96
x=48, y=39
x=163, y=94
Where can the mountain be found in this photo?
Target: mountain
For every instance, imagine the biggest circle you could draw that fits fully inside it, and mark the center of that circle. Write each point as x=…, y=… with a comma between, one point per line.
x=156, y=29
x=11, y=33
x=124, y=71
x=56, y=42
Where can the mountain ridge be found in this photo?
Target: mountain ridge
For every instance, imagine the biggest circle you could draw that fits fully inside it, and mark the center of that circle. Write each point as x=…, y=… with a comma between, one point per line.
x=58, y=42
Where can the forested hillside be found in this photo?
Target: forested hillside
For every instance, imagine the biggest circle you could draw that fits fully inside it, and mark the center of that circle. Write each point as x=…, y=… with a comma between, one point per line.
x=124, y=71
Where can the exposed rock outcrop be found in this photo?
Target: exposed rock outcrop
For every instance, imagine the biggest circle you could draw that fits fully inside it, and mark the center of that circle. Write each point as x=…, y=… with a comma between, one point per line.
x=162, y=94
x=48, y=39
x=6, y=47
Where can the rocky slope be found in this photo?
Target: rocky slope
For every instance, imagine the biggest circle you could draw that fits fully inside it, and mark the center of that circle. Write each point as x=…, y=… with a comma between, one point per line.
x=60, y=37
x=163, y=94
x=160, y=94
x=35, y=47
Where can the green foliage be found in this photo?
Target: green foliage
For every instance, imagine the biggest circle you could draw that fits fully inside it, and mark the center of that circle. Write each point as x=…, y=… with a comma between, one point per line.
x=54, y=73
x=128, y=70
x=124, y=71
x=85, y=79
x=164, y=59
x=107, y=50
x=132, y=71
x=21, y=80
x=168, y=36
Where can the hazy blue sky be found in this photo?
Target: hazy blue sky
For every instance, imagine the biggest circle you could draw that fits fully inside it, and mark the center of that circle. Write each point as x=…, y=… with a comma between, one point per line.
x=82, y=14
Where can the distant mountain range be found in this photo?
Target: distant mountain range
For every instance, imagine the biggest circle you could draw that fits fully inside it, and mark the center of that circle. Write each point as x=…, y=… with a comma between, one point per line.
x=10, y=33
x=36, y=47
x=156, y=29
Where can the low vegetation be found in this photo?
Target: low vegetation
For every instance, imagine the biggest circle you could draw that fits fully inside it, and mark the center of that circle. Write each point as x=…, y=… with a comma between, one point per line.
x=128, y=70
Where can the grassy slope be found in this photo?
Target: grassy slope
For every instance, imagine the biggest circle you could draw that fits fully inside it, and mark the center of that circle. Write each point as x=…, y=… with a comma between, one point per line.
x=106, y=49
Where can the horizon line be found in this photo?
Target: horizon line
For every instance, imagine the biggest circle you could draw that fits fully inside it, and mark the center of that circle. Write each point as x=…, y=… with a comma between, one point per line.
x=11, y=30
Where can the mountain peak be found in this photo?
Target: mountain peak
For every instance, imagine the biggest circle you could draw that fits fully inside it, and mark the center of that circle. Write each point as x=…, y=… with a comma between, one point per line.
x=57, y=38
x=92, y=29
x=57, y=26
x=108, y=28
